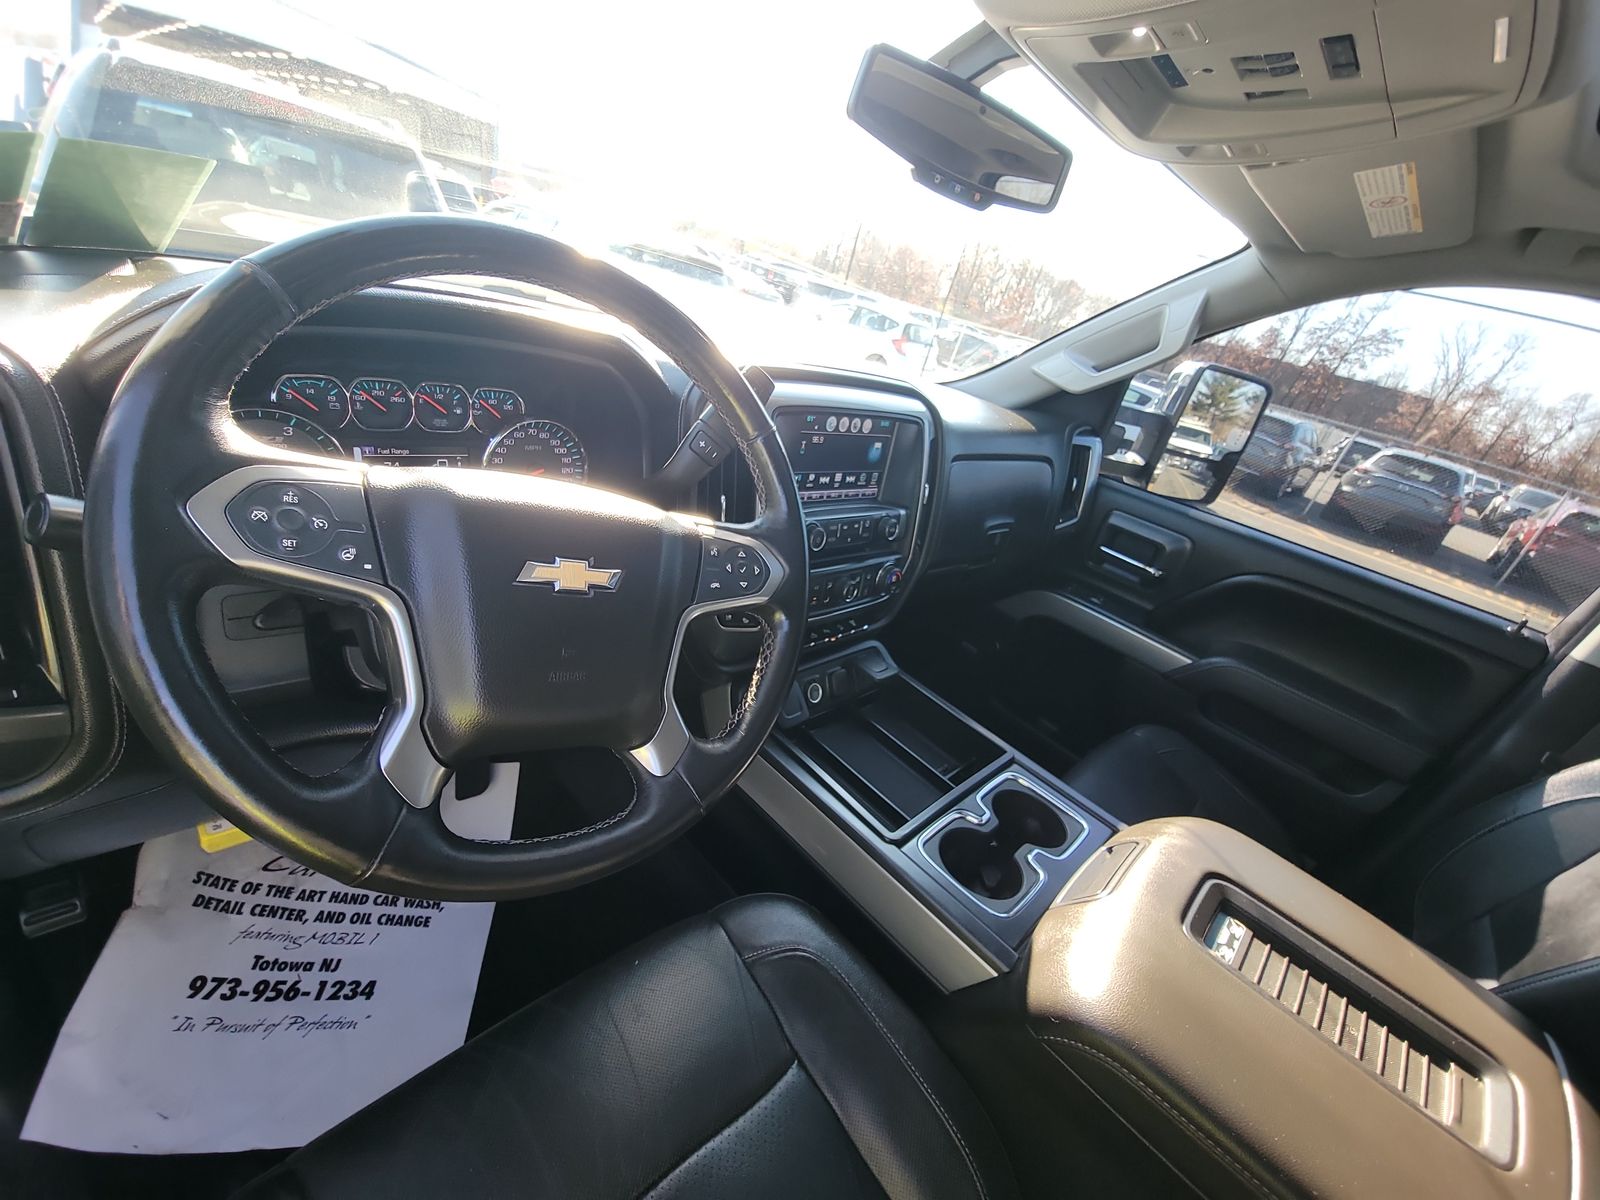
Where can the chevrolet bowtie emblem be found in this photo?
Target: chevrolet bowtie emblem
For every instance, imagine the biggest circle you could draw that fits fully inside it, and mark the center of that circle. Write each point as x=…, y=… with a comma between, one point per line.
x=569, y=575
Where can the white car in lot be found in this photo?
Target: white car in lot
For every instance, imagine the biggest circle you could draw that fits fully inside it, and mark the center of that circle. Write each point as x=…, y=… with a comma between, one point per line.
x=880, y=339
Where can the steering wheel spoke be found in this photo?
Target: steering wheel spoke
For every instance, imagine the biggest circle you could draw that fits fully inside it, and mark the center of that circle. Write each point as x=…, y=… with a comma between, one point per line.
x=308, y=527
x=739, y=571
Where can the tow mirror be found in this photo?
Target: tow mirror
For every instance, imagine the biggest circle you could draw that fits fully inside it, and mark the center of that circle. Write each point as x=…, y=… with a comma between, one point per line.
x=1214, y=410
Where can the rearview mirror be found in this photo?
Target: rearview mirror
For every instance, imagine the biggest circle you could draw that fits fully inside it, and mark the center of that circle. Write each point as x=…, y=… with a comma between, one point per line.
x=959, y=142
x=1213, y=410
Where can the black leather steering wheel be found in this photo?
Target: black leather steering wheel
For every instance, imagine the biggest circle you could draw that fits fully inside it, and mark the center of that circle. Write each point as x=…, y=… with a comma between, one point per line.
x=520, y=613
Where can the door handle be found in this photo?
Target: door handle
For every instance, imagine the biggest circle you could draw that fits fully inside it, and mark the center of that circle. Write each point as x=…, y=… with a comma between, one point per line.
x=1136, y=563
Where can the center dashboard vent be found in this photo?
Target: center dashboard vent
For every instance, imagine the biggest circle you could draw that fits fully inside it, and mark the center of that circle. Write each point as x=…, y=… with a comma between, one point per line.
x=1408, y=1050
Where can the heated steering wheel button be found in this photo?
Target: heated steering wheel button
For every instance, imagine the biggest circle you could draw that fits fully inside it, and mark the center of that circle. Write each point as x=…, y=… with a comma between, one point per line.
x=351, y=554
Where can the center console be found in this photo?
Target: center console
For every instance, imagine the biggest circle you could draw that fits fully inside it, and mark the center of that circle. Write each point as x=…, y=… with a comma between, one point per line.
x=953, y=841
x=860, y=463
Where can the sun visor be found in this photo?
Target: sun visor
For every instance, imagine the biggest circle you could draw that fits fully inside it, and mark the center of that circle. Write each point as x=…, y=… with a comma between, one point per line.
x=1411, y=195
x=1258, y=81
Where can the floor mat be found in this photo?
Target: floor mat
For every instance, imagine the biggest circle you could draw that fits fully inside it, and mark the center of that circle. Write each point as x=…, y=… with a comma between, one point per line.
x=244, y=1002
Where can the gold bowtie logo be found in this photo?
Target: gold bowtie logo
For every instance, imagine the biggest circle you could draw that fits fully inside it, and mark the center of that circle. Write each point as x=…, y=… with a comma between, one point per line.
x=570, y=575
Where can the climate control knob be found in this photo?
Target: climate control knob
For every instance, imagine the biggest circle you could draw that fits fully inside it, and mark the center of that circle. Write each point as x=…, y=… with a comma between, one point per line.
x=889, y=577
x=816, y=536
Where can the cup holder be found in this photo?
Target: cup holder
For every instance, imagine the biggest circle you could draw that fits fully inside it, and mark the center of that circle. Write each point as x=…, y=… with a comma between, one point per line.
x=988, y=859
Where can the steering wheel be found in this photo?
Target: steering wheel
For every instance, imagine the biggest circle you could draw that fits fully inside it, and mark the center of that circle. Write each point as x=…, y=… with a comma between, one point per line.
x=519, y=613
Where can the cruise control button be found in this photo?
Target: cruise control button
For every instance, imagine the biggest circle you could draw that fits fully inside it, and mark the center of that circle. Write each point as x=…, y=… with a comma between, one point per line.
x=282, y=520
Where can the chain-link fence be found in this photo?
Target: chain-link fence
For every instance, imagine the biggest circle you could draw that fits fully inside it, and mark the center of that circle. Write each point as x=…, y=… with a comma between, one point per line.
x=1518, y=546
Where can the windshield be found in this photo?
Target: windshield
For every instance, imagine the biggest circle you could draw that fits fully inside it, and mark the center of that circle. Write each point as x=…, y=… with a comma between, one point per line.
x=706, y=151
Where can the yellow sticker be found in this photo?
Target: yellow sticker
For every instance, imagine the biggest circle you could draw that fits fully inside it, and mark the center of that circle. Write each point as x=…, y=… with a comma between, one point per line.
x=1390, y=200
x=217, y=834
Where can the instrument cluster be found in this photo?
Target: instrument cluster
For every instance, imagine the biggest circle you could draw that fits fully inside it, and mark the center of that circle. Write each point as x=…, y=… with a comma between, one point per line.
x=432, y=422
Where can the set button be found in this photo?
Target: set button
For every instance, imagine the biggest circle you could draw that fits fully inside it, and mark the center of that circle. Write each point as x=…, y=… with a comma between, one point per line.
x=323, y=526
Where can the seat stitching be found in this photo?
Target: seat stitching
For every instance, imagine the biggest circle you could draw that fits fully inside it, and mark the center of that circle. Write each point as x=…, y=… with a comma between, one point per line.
x=927, y=1092
x=1216, y=1150
x=794, y=1064
x=1549, y=976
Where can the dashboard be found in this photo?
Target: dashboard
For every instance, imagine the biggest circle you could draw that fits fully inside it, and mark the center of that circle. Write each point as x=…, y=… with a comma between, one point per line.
x=421, y=400
x=429, y=376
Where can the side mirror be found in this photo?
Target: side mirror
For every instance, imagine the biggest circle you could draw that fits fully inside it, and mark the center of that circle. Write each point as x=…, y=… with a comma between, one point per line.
x=958, y=141
x=1214, y=412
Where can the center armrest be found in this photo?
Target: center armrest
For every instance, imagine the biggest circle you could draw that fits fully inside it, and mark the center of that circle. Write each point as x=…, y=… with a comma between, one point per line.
x=1270, y=1037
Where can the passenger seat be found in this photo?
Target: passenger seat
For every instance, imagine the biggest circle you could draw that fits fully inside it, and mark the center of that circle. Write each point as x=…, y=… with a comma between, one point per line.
x=1150, y=771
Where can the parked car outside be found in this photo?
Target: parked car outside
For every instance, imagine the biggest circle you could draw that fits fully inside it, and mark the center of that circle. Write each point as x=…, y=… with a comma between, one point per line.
x=880, y=339
x=1557, y=548
x=1352, y=452
x=1484, y=489
x=1280, y=458
x=1521, y=501
x=1409, y=498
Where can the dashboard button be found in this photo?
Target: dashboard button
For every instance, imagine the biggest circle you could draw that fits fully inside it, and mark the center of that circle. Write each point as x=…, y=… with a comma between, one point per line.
x=729, y=569
x=890, y=527
x=351, y=554
x=282, y=520
x=816, y=536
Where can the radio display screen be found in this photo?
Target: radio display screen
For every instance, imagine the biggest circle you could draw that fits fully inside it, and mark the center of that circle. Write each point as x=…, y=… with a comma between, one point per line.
x=837, y=456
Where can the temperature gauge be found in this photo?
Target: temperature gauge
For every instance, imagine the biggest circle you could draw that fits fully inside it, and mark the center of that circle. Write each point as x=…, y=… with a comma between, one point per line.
x=380, y=404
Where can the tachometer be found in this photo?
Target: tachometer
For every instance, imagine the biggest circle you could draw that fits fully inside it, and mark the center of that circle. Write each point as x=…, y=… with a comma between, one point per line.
x=443, y=407
x=494, y=410
x=539, y=448
x=286, y=431
x=322, y=398
x=380, y=404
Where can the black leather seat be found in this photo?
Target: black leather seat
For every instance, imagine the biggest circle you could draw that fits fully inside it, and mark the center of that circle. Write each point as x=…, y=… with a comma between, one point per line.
x=1508, y=892
x=745, y=1053
x=1150, y=771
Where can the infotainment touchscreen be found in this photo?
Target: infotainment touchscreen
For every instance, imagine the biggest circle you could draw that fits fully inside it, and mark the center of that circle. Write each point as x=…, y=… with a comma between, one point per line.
x=837, y=456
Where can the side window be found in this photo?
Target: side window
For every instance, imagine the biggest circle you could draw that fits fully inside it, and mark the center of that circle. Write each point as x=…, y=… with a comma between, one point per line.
x=1449, y=438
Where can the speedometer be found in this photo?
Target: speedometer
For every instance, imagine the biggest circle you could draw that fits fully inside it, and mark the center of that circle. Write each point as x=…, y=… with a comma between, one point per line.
x=539, y=448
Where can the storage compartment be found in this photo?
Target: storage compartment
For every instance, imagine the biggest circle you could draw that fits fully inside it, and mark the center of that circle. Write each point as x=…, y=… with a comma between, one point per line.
x=999, y=843
x=896, y=753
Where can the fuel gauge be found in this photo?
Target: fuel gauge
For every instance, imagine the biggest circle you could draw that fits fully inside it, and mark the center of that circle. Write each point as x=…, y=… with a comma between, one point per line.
x=442, y=407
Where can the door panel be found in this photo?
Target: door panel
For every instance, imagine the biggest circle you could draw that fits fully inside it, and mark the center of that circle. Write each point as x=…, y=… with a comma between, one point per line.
x=1326, y=686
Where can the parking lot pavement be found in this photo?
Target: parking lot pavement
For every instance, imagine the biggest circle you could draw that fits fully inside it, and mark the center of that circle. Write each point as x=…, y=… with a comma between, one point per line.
x=1459, y=570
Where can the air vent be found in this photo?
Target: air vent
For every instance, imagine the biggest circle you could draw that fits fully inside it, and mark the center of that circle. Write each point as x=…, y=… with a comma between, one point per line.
x=24, y=680
x=1406, y=1049
x=1279, y=65
x=1083, y=467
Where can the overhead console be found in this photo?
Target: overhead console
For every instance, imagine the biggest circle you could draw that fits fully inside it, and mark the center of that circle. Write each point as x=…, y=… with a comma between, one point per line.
x=1259, y=81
